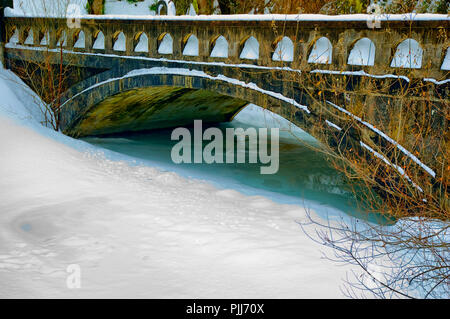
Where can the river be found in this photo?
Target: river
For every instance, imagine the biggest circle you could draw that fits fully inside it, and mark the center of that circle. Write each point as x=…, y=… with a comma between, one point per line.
x=304, y=177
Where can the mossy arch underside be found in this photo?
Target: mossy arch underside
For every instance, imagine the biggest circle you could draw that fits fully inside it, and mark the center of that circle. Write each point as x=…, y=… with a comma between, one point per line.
x=108, y=105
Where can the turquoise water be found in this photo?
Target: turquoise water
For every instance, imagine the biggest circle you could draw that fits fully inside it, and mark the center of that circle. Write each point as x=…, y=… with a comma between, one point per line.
x=304, y=177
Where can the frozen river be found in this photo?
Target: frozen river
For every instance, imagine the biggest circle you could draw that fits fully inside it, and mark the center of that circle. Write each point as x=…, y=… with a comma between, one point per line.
x=304, y=174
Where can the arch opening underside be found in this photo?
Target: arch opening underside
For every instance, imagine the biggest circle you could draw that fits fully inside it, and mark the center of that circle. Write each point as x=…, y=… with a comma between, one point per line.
x=148, y=108
x=155, y=101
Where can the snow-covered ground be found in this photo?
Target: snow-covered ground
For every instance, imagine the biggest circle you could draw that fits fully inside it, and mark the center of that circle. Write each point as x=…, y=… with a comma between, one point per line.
x=124, y=7
x=56, y=8
x=137, y=231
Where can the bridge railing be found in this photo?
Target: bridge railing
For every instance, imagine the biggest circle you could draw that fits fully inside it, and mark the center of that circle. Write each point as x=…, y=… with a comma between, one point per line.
x=416, y=48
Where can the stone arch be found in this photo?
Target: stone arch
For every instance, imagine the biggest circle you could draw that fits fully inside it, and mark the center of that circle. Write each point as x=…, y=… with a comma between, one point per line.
x=190, y=45
x=191, y=11
x=119, y=41
x=44, y=37
x=224, y=98
x=79, y=40
x=283, y=49
x=161, y=8
x=61, y=36
x=140, y=42
x=165, y=43
x=28, y=36
x=445, y=66
x=102, y=104
x=98, y=40
x=321, y=52
x=249, y=48
x=362, y=53
x=219, y=47
x=13, y=35
x=408, y=54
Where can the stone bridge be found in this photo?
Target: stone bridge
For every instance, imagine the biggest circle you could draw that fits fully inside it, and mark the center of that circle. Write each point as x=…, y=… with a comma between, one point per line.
x=324, y=74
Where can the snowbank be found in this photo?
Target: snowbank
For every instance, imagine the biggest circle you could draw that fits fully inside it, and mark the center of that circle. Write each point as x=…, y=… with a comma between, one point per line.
x=137, y=231
x=60, y=8
x=18, y=101
x=113, y=7
x=55, y=8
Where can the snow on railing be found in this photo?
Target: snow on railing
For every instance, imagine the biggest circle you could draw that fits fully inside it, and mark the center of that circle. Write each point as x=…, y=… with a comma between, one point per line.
x=249, y=43
x=248, y=17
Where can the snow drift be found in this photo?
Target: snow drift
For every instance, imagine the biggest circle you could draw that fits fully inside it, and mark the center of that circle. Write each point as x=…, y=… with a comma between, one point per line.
x=136, y=231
